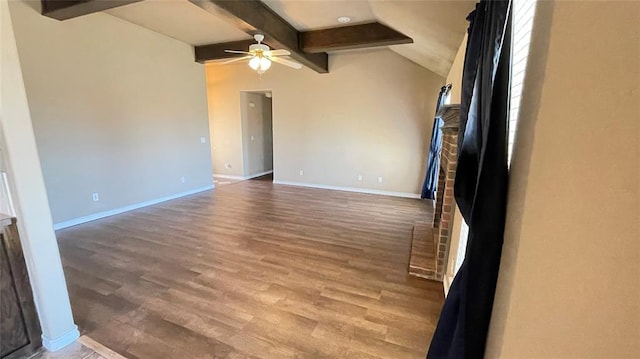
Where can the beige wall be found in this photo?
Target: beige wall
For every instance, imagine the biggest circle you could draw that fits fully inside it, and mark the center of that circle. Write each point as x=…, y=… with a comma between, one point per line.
x=256, y=133
x=455, y=73
x=29, y=197
x=569, y=283
x=455, y=79
x=116, y=109
x=370, y=116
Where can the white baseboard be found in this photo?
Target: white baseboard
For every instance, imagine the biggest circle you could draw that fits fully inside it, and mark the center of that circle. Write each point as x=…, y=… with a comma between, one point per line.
x=242, y=178
x=62, y=341
x=258, y=174
x=351, y=189
x=239, y=178
x=99, y=215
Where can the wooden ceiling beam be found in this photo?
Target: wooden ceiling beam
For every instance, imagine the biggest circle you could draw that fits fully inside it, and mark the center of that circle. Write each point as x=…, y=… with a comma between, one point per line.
x=253, y=16
x=212, y=52
x=68, y=9
x=351, y=37
x=317, y=41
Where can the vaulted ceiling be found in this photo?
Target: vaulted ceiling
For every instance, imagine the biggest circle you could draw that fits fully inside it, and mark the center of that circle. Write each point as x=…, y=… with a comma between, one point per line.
x=436, y=26
x=181, y=20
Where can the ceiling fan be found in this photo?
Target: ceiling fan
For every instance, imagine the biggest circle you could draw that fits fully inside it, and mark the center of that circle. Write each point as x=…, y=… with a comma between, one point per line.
x=260, y=56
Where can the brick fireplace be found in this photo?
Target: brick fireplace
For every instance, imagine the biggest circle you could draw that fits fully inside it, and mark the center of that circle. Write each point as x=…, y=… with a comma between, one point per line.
x=431, y=239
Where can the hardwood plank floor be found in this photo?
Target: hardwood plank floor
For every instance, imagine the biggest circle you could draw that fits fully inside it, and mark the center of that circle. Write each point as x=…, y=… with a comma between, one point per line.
x=84, y=348
x=254, y=270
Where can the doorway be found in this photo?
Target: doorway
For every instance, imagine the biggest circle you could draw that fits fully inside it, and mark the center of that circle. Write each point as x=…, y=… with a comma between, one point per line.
x=257, y=134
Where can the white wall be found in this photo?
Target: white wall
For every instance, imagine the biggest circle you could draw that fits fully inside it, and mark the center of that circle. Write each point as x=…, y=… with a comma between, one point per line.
x=256, y=134
x=116, y=109
x=569, y=283
x=370, y=116
x=20, y=160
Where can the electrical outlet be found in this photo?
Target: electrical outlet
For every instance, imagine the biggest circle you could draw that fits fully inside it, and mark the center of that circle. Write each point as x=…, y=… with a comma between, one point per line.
x=182, y=179
x=301, y=173
x=360, y=178
x=95, y=196
x=379, y=179
x=203, y=140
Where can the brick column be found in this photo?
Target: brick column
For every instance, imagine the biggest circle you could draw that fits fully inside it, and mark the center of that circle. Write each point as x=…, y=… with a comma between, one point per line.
x=430, y=242
x=448, y=164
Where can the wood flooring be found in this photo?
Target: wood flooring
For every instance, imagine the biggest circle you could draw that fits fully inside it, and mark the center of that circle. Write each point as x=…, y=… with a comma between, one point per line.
x=84, y=348
x=254, y=270
x=422, y=262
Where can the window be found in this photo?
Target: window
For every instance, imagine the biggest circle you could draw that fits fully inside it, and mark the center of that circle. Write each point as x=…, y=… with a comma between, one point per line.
x=523, y=12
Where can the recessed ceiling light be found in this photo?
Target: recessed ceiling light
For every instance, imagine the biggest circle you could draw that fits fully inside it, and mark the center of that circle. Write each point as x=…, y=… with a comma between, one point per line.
x=344, y=19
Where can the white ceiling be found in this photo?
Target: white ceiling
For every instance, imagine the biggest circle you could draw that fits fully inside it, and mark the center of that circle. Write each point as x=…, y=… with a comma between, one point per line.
x=180, y=20
x=436, y=26
x=319, y=14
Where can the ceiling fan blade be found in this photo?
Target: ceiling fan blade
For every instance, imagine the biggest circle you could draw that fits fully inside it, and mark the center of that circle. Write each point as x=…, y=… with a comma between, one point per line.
x=277, y=53
x=236, y=52
x=235, y=59
x=286, y=62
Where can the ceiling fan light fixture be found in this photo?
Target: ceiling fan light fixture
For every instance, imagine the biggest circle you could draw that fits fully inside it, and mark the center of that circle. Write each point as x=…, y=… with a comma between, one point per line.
x=254, y=63
x=261, y=56
x=265, y=63
x=260, y=64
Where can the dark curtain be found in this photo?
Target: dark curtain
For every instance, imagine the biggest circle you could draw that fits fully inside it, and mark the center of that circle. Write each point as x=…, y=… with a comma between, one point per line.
x=433, y=161
x=481, y=183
